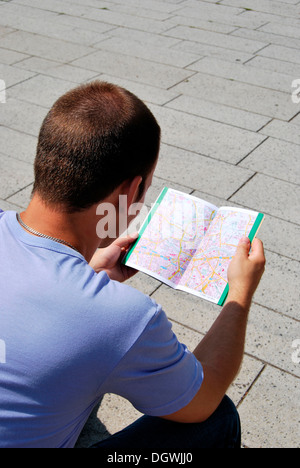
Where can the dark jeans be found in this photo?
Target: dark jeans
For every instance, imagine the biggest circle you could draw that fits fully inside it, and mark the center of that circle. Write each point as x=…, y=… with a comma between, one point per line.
x=221, y=430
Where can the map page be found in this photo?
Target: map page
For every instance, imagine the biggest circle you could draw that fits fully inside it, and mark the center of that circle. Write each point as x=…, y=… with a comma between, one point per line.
x=188, y=243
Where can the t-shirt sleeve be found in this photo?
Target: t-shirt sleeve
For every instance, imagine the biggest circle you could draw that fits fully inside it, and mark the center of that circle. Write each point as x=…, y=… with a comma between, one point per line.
x=158, y=375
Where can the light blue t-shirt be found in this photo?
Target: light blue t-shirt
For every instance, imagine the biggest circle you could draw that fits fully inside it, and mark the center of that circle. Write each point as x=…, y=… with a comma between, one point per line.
x=69, y=335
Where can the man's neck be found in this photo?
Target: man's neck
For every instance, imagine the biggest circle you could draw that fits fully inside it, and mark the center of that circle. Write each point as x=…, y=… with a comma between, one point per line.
x=77, y=229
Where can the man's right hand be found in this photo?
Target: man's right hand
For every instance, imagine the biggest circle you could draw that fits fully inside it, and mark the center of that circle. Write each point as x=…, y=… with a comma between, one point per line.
x=246, y=271
x=221, y=350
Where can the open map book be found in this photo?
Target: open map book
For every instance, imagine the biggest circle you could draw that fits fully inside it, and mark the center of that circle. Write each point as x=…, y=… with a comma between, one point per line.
x=188, y=243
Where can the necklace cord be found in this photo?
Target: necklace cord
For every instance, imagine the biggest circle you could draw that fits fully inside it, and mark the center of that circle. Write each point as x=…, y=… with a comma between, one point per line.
x=44, y=236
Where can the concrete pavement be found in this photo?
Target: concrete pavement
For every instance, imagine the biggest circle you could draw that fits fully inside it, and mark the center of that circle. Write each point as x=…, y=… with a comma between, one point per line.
x=223, y=79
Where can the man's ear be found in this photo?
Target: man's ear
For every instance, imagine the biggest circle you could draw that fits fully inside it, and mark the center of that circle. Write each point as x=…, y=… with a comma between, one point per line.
x=133, y=190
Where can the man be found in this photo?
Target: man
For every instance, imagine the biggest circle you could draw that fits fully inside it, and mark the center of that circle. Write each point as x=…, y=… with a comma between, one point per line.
x=72, y=331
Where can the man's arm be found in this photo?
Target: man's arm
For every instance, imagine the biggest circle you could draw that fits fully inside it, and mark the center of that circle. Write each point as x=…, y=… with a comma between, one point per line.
x=221, y=351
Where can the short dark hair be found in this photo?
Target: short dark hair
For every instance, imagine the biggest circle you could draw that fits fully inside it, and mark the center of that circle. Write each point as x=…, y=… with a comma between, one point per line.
x=94, y=138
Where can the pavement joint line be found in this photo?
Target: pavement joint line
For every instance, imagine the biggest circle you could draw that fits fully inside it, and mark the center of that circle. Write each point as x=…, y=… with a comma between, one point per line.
x=18, y=191
x=243, y=185
x=252, y=385
x=254, y=149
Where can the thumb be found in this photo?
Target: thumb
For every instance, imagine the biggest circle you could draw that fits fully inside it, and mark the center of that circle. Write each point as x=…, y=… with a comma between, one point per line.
x=125, y=242
x=243, y=248
x=257, y=250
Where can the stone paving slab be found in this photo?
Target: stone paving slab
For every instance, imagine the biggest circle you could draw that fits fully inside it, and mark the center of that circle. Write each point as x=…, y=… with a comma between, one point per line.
x=23, y=116
x=153, y=53
x=284, y=131
x=277, y=66
x=218, y=75
x=41, y=90
x=216, y=39
x=13, y=76
x=219, y=112
x=209, y=138
x=281, y=237
x=281, y=53
x=208, y=50
x=275, y=158
x=268, y=6
x=239, y=95
x=238, y=72
x=21, y=198
x=56, y=70
x=296, y=120
x=18, y=145
x=53, y=49
x=261, y=35
x=281, y=199
x=267, y=403
x=184, y=167
x=276, y=290
x=14, y=175
x=135, y=69
x=9, y=57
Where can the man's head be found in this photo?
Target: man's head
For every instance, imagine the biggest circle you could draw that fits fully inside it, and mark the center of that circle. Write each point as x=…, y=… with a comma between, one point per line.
x=94, y=138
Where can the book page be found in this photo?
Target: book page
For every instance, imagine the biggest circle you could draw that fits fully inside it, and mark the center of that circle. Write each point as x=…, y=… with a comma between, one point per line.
x=171, y=235
x=206, y=275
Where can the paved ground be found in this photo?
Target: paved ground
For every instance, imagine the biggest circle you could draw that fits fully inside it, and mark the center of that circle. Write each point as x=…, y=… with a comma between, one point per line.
x=218, y=75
